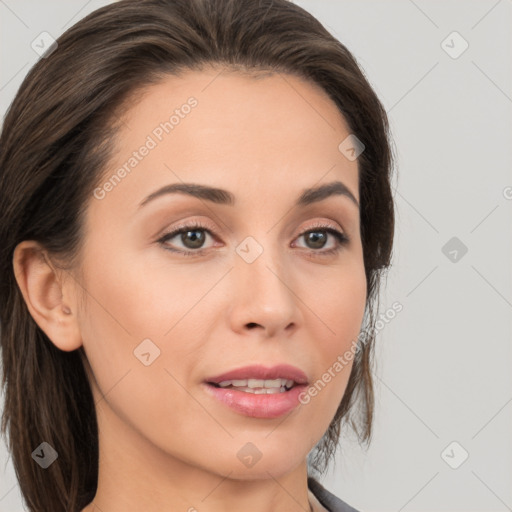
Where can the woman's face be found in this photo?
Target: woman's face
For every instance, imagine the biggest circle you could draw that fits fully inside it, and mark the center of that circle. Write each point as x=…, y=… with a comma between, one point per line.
x=163, y=316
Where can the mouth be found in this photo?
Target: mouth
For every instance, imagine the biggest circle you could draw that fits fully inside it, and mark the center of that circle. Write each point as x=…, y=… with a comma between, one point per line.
x=257, y=391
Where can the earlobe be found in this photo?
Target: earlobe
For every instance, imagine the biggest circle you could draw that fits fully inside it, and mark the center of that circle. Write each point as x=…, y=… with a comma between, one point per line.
x=45, y=295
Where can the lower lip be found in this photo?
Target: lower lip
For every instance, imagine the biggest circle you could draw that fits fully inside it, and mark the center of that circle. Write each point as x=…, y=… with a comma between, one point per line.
x=258, y=406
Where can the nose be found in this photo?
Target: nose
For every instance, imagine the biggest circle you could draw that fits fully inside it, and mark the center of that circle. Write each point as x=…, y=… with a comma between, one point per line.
x=262, y=297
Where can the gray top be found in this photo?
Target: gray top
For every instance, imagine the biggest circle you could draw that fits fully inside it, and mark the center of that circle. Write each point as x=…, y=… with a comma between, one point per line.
x=327, y=499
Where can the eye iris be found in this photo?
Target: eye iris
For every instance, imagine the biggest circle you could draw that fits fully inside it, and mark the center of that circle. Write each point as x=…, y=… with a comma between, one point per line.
x=196, y=241
x=318, y=238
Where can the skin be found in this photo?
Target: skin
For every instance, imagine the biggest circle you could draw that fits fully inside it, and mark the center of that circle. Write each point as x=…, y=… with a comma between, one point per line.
x=164, y=443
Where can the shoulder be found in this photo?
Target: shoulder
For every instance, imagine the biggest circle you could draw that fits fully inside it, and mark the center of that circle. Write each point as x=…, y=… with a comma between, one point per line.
x=327, y=499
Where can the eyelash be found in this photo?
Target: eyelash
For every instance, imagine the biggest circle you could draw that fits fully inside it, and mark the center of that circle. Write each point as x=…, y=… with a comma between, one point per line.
x=341, y=238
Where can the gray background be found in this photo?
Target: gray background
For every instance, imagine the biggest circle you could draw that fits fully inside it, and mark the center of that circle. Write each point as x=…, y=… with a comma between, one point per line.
x=443, y=372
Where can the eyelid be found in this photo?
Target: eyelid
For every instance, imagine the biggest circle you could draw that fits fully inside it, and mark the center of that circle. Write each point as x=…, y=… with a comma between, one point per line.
x=321, y=225
x=197, y=224
x=187, y=224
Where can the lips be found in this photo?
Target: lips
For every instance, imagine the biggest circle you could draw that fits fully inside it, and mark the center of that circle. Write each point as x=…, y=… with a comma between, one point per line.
x=246, y=390
x=253, y=401
x=281, y=371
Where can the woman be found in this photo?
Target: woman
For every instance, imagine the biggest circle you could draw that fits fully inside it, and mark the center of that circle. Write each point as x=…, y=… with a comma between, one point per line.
x=196, y=215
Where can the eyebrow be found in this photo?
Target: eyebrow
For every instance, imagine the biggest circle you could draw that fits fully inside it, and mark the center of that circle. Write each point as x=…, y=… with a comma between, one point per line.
x=224, y=197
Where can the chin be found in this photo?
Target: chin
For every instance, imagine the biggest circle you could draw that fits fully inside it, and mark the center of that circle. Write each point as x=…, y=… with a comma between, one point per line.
x=277, y=464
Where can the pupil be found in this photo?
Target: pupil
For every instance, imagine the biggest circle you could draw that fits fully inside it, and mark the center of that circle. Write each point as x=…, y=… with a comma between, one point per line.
x=195, y=241
x=318, y=238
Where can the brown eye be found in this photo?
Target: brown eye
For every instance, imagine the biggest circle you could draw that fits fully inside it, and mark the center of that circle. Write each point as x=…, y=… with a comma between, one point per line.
x=190, y=239
x=316, y=239
x=193, y=239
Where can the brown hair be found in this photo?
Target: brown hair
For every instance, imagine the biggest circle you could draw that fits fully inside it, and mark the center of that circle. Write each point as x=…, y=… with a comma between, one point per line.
x=55, y=143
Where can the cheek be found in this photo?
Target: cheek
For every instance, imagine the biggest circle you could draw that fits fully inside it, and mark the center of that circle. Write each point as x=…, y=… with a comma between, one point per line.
x=336, y=300
x=137, y=306
x=335, y=324
x=130, y=313
x=139, y=297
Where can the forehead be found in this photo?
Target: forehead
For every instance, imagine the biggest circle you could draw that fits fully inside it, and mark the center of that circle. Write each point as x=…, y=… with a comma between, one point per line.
x=222, y=128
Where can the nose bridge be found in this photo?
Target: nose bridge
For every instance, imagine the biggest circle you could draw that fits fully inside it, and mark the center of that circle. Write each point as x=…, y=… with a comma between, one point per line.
x=263, y=293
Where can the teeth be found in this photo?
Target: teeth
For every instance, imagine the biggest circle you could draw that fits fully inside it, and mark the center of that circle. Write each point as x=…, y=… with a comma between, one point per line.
x=257, y=383
x=259, y=386
x=262, y=391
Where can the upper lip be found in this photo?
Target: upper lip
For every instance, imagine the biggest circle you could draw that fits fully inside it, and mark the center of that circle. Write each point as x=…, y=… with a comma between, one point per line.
x=283, y=371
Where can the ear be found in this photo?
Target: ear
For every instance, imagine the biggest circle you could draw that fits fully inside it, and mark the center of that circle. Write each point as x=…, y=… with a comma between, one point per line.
x=47, y=299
